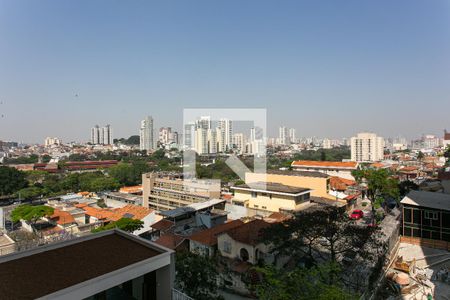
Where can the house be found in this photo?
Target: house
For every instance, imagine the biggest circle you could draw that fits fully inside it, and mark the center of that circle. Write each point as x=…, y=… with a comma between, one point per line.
x=243, y=243
x=333, y=168
x=205, y=241
x=106, y=265
x=426, y=216
x=270, y=196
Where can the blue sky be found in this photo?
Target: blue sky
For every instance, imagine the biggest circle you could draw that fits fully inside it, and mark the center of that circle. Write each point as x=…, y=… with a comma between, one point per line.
x=326, y=68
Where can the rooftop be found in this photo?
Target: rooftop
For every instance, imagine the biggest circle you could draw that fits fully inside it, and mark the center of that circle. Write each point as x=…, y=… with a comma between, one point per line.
x=427, y=199
x=272, y=187
x=248, y=233
x=209, y=236
x=69, y=263
x=191, y=208
x=298, y=173
x=325, y=164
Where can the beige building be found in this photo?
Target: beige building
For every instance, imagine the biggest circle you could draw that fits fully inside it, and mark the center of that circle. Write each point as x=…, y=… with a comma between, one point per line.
x=367, y=147
x=268, y=196
x=168, y=192
x=317, y=182
x=331, y=168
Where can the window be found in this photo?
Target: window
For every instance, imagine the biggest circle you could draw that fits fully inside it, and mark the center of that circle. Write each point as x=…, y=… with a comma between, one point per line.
x=255, y=206
x=264, y=207
x=264, y=194
x=254, y=194
x=226, y=247
x=431, y=215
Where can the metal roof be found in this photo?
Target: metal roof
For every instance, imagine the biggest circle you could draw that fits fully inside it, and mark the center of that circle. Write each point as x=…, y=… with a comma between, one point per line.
x=427, y=199
x=191, y=208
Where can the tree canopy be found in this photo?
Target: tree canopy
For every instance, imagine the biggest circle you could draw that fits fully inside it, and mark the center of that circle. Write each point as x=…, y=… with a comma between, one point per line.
x=196, y=275
x=300, y=283
x=30, y=213
x=125, y=224
x=11, y=180
x=129, y=174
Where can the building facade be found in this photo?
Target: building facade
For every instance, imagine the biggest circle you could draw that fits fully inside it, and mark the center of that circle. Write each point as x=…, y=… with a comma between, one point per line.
x=146, y=136
x=367, y=147
x=169, y=192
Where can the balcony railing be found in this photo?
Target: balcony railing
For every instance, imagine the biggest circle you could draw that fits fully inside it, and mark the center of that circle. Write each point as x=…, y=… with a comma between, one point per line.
x=177, y=295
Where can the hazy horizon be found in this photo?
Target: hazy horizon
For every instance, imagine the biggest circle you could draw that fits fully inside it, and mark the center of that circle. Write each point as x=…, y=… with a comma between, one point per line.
x=327, y=68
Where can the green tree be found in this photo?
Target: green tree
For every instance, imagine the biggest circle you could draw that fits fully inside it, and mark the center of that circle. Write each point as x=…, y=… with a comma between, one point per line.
x=308, y=233
x=29, y=192
x=125, y=224
x=196, y=275
x=31, y=213
x=11, y=180
x=129, y=174
x=378, y=183
x=301, y=283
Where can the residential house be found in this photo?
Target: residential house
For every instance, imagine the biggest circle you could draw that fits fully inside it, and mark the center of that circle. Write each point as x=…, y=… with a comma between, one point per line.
x=205, y=242
x=426, y=216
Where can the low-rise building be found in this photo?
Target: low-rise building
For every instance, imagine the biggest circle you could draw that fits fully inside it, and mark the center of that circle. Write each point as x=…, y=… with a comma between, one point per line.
x=243, y=242
x=111, y=264
x=426, y=216
x=269, y=196
x=169, y=192
x=331, y=168
x=205, y=242
x=317, y=182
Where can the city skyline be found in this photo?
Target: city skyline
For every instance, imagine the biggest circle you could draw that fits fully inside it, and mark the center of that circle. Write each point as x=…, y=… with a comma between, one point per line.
x=320, y=68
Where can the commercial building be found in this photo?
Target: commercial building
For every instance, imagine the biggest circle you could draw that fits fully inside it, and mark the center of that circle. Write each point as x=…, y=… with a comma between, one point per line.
x=107, y=265
x=331, y=168
x=146, y=134
x=367, y=147
x=164, y=192
x=239, y=142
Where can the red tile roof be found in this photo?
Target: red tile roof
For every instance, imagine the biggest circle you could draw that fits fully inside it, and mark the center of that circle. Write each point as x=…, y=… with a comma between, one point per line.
x=340, y=184
x=248, y=233
x=62, y=217
x=209, y=236
x=162, y=225
x=170, y=240
x=325, y=164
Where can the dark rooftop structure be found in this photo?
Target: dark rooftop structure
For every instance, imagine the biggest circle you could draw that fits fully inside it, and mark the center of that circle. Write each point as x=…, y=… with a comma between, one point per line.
x=73, y=268
x=272, y=187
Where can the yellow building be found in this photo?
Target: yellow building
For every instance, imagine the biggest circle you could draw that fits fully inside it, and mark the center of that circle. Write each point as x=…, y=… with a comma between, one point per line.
x=318, y=182
x=271, y=196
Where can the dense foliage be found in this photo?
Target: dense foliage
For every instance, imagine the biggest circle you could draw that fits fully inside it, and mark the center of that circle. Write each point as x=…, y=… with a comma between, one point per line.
x=11, y=180
x=196, y=275
x=30, y=213
x=125, y=224
x=301, y=283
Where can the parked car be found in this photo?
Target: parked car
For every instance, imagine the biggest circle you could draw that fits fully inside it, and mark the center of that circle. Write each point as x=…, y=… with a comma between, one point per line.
x=356, y=214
